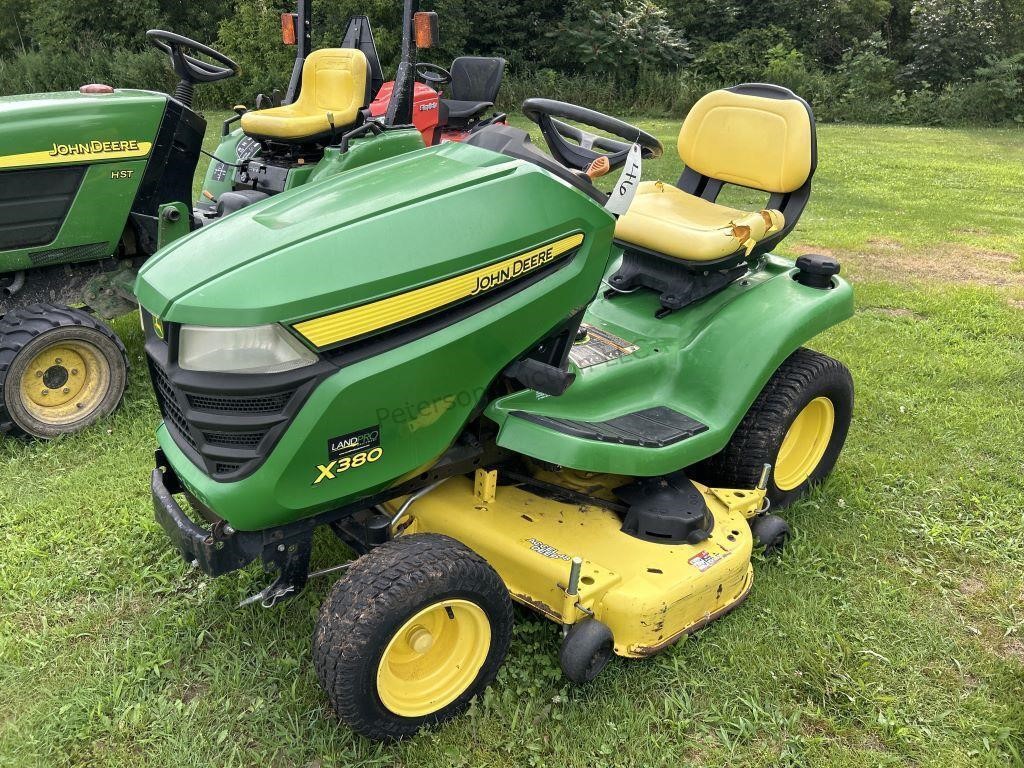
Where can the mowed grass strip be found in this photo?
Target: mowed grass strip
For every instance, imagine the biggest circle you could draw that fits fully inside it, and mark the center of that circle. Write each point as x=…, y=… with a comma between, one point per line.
x=890, y=633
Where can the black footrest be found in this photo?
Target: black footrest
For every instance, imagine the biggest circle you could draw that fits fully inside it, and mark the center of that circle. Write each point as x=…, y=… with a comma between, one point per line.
x=650, y=428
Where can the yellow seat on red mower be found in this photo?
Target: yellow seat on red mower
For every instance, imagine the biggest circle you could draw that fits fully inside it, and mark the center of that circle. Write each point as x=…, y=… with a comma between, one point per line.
x=335, y=81
x=760, y=137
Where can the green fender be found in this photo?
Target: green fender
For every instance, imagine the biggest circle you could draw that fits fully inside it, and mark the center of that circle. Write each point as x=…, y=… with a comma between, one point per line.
x=708, y=361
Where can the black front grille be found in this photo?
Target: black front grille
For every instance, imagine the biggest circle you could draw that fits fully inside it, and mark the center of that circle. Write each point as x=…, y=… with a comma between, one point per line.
x=241, y=403
x=68, y=255
x=228, y=434
x=34, y=203
x=238, y=439
x=226, y=423
x=169, y=407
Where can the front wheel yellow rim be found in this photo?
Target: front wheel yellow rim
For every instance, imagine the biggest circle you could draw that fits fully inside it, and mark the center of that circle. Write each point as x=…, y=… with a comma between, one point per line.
x=433, y=658
x=805, y=443
x=65, y=382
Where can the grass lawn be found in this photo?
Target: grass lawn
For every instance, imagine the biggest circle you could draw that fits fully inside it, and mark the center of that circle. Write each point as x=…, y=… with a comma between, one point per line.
x=890, y=633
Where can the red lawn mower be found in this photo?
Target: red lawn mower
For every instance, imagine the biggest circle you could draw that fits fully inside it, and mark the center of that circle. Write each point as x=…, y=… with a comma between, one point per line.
x=470, y=86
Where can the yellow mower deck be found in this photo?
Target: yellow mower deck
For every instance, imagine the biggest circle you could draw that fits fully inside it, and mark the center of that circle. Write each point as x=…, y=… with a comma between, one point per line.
x=649, y=594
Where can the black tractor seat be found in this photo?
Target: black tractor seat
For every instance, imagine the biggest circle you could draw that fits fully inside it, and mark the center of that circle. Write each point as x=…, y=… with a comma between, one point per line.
x=476, y=81
x=462, y=110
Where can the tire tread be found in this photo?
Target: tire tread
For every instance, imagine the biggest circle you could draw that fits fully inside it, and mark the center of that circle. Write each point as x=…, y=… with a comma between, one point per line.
x=739, y=464
x=386, y=580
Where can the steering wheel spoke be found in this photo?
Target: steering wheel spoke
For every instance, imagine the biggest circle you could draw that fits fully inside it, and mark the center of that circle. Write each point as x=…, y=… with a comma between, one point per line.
x=560, y=135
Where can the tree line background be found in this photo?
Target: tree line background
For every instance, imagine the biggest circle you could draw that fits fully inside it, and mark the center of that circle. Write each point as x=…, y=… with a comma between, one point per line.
x=939, y=62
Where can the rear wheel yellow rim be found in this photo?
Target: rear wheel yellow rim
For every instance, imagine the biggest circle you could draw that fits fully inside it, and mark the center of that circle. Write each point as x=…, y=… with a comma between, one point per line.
x=65, y=382
x=433, y=658
x=805, y=443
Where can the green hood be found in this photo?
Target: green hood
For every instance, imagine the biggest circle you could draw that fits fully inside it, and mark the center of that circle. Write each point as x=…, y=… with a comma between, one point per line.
x=352, y=238
x=32, y=124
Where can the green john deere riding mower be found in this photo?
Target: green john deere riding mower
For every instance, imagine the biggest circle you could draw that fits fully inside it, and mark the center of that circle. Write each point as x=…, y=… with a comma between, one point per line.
x=582, y=403
x=84, y=180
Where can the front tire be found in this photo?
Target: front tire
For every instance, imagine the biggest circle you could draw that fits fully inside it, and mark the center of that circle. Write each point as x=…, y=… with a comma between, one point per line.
x=415, y=630
x=798, y=424
x=61, y=370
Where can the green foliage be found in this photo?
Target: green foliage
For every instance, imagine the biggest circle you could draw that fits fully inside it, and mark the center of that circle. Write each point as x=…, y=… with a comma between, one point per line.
x=744, y=58
x=36, y=72
x=264, y=67
x=941, y=62
x=950, y=39
x=868, y=80
x=789, y=67
x=611, y=38
x=58, y=26
x=997, y=89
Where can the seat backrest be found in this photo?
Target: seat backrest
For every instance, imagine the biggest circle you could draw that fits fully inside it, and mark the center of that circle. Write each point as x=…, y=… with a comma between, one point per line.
x=754, y=135
x=476, y=78
x=335, y=80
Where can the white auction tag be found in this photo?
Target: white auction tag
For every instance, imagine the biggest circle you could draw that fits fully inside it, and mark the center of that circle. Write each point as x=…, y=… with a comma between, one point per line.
x=625, y=188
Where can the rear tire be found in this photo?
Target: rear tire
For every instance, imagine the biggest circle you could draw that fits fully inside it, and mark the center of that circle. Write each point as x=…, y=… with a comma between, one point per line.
x=808, y=385
x=415, y=630
x=61, y=370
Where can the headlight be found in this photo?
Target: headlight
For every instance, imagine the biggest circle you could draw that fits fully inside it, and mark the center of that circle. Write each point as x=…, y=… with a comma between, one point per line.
x=257, y=349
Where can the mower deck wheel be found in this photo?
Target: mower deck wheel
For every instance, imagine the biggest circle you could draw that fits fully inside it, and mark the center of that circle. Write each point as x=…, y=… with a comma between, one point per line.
x=415, y=630
x=798, y=424
x=61, y=370
x=587, y=648
x=771, y=533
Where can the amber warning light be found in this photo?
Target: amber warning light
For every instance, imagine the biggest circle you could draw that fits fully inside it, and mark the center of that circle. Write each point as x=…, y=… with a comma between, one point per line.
x=424, y=24
x=290, y=28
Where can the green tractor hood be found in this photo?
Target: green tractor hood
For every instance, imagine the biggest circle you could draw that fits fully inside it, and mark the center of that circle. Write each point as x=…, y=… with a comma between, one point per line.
x=71, y=127
x=352, y=238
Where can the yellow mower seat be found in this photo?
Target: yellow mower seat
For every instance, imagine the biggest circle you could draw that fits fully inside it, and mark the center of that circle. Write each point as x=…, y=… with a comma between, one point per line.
x=334, y=80
x=756, y=136
x=669, y=221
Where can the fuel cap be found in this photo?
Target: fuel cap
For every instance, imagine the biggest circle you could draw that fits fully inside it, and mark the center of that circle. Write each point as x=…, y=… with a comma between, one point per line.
x=816, y=271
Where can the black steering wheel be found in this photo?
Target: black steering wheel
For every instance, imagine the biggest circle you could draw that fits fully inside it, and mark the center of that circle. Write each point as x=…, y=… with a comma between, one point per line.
x=579, y=155
x=190, y=69
x=433, y=75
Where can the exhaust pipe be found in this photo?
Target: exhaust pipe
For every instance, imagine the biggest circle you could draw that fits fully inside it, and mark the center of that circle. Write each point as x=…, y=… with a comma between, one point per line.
x=17, y=283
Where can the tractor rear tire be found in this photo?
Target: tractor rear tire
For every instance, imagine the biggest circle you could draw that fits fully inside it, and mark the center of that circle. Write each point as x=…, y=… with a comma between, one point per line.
x=61, y=370
x=798, y=424
x=415, y=629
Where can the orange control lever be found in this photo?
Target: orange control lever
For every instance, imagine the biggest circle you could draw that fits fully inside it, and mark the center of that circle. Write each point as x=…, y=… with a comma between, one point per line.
x=598, y=168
